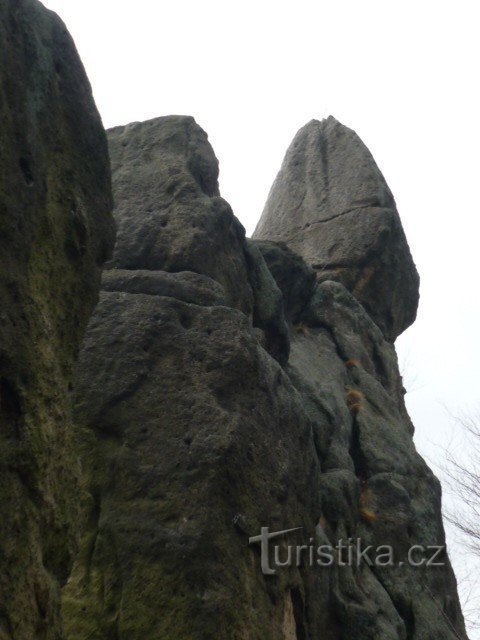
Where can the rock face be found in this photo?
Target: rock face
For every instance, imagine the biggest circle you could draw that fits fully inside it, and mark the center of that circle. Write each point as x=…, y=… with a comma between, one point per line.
x=168, y=210
x=176, y=391
x=208, y=412
x=332, y=206
x=56, y=230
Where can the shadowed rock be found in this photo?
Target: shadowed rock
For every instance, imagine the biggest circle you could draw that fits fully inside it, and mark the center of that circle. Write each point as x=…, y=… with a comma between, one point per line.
x=330, y=204
x=175, y=232
x=56, y=230
x=182, y=407
x=168, y=209
x=195, y=436
x=223, y=385
x=295, y=279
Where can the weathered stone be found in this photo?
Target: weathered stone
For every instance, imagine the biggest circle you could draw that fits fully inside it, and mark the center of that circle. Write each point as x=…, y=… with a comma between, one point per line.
x=374, y=485
x=331, y=205
x=192, y=425
x=293, y=276
x=56, y=230
x=179, y=400
x=268, y=310
x=358, y=339
x=167, y=206
x=195, y=437
x=184, y=285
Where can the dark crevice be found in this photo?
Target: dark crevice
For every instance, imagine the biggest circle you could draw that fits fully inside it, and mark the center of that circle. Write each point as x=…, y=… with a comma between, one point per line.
x=298, y=614
x=356, y=454
x=26, y=168
x=10, y=403
x=95, y=520
x=404, y=609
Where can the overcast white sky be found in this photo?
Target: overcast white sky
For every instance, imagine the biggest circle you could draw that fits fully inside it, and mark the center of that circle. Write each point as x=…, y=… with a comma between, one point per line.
x=404, y=75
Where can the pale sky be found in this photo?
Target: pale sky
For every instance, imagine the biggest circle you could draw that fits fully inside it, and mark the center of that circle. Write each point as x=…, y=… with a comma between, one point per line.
x=403, y=74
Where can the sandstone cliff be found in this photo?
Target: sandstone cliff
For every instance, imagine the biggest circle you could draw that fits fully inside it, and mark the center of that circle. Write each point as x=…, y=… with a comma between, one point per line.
x=56, y=230
x=331, y=205
x=227, y=385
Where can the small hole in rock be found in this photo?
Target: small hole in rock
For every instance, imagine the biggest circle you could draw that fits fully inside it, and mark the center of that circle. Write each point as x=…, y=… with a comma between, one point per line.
x=10, y=405
x=185, y=321
x=27, y=171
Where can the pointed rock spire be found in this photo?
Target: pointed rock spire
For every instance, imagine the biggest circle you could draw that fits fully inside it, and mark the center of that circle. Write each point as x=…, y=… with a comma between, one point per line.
x=331, y=204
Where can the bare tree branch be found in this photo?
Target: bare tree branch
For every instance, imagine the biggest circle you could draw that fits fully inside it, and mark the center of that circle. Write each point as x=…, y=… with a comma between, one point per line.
x=462, y=474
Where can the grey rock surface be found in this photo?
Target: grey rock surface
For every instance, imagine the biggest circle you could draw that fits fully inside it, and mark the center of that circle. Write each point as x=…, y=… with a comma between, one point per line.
x=205, y=418
x=184, y=285
x=342, y=359
x=268, y=310
x=56, y=230
x=292, y=275
x=331, y=205
x=191, y=429
x=193, y=435
x=168, y=210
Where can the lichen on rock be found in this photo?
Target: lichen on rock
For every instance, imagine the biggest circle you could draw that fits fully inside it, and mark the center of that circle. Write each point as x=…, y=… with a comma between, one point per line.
x=56, y=230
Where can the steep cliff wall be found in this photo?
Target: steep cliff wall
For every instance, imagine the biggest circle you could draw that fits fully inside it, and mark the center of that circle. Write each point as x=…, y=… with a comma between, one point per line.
x=56, y=230
x=225, y=386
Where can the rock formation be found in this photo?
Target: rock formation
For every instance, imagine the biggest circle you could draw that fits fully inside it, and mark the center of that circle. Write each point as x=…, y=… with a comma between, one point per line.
x=224, y=387
x=332, y=206
x=56, y=230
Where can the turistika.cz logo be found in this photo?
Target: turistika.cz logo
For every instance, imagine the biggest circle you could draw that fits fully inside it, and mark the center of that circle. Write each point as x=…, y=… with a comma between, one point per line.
x=350, y=552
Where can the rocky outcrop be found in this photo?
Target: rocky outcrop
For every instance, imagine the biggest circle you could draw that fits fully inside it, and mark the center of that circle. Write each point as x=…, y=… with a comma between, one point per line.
x=56, y=230
x=177, y=392
x=331, y=205
x=168, y=210
x=374, y=485
x=209, y=412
